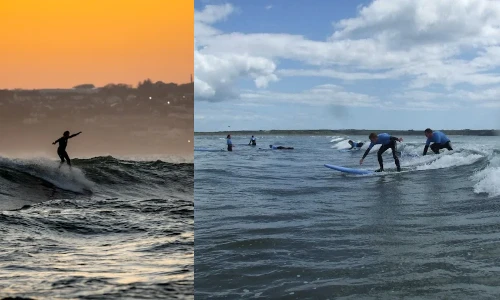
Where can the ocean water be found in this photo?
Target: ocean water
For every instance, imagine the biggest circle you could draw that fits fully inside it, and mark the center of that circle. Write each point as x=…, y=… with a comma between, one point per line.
x=107, y=229
x=279, y=225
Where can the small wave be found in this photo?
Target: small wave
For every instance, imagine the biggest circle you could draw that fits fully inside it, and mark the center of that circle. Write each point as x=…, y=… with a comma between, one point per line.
x=62, y=177
x=451, y=160
x=40, y=179
x=488, y=179
x=336, y=139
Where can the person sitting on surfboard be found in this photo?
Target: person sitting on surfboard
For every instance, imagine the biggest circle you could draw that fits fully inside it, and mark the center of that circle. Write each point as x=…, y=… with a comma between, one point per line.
x=387, y=141
x=355, y=145
x=253, y=141
x=61, y=150
x=229, y=143
x=280, y=147
x=439, y=139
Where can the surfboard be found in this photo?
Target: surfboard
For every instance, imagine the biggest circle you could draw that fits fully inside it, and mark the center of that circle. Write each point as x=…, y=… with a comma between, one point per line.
x=349, y=170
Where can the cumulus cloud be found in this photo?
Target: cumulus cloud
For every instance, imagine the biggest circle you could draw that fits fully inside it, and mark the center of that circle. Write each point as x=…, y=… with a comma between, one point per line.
x=327, y=94
x=216, y=73
x=424, y=43
x=408, y=23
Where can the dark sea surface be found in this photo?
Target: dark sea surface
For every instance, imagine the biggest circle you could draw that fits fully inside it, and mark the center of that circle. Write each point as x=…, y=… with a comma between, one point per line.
x=107, y=229
x=277, y=224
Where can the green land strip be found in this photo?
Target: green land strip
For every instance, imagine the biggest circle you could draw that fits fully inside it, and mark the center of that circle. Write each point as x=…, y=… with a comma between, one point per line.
x=485, y=132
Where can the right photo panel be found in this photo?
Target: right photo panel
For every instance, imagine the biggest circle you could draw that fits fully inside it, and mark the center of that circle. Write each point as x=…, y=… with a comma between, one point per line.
x=347, y=149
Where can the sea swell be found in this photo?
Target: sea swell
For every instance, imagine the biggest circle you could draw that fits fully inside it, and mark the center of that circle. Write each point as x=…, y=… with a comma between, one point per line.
x=106, y=229
x=26, y=181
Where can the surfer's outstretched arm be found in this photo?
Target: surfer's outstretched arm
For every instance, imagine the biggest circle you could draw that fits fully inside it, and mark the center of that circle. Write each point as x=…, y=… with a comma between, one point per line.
x=73, y=135
x=56, y=141
x=366, y=153
x=425, y=150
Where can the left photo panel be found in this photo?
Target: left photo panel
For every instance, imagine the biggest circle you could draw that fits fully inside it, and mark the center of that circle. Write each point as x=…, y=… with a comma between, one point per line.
x=96, y=149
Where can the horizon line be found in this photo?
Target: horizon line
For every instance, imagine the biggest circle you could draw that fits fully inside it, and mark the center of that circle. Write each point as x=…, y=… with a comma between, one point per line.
x=96, y=87
x=267, y=130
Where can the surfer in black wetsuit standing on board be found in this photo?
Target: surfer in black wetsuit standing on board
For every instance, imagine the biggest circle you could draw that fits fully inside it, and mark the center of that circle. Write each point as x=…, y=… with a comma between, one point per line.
x=61, y=150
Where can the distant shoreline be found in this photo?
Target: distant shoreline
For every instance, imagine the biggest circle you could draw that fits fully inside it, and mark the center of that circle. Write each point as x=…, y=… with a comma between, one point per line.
x=484, y=132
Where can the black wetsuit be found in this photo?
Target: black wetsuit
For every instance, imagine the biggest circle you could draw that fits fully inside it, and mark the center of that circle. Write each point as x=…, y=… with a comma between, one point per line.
x=390, y=144
x=435, y=147
x=61, y=150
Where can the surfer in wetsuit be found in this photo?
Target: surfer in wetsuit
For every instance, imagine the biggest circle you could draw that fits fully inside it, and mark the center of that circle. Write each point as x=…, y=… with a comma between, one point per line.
x=229, y=143
x=355, y=145
x=387, y=141
x=280, y=147
x=253, y=141
x=439, y=139
x=61, y=150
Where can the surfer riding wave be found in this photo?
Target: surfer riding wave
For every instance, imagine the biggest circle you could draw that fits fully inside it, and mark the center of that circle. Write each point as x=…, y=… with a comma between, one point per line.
x=61, y=150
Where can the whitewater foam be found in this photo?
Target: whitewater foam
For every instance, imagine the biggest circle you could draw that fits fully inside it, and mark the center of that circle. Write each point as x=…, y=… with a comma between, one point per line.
x=449, y=160
x=488, y=179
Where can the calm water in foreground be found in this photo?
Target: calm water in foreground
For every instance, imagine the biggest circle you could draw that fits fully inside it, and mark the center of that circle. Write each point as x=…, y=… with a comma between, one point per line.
x=278, y=224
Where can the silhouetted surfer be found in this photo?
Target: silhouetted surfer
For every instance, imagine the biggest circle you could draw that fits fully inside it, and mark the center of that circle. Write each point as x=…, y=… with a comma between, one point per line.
x=61, y=150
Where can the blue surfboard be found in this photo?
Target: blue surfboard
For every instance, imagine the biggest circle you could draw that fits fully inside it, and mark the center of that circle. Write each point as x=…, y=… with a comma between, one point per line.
x=349, y=170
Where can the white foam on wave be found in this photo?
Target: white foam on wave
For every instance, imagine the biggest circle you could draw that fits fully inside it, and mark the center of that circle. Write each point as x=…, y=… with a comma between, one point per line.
x=488, y=179
x=65, y=178
x=336, y=139
x=341, y=144
x=447, y=160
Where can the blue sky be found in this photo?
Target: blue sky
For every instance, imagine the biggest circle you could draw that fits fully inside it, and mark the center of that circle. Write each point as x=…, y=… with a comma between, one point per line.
x=385, y=64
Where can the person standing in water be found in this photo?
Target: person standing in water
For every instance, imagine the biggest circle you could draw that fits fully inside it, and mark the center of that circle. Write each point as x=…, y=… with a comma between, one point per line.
x=439, y=141
x=229, y=143
x=61, y=150
x=253, y=141
x=388, y=142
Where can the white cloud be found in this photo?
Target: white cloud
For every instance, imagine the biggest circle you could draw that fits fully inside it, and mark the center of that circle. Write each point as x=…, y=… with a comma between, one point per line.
x=269, y=7
x=336, y=74
x=213, y=13
x=446, y=43
x=327, y=94
x=409, y=23
x=216, y=74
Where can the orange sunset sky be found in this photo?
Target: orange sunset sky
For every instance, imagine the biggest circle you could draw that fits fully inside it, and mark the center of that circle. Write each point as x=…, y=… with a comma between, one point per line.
x=63, y=43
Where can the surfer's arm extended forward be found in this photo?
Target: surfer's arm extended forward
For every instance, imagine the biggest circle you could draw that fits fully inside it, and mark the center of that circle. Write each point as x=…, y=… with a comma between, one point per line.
x=56, y=141
x=425, y=150
x=427, y=143
x=366, y=153
x=73, y=135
